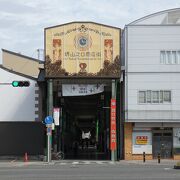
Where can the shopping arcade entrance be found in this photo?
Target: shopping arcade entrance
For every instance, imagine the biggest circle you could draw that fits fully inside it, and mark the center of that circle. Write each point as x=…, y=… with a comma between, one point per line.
x=84, y=113
x=84, y=51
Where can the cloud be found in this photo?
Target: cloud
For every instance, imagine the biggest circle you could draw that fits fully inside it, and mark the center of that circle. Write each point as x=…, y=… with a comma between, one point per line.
x=23, y=22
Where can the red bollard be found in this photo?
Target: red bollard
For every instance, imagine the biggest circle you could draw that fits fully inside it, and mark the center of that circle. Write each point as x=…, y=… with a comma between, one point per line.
x=26, y=157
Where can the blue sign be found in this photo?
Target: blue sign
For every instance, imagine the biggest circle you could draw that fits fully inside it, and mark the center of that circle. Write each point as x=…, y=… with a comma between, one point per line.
x=48, y=120
x=49, y=131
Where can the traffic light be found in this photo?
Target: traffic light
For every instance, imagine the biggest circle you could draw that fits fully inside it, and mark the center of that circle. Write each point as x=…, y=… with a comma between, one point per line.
x=20, y=83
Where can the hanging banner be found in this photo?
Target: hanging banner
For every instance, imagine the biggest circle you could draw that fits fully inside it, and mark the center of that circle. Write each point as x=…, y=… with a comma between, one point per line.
x=113, y=125
x=81, y=89
x=56, y=112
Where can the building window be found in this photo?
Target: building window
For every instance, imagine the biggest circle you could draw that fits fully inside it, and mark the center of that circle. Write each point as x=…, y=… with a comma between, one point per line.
x=170, y=57
x=148, y=94
x=167, y=96
x=158, y=96
x=142, y=96
x=155, y=96
x=163, y=57
x=161, y=96
x=178, y=57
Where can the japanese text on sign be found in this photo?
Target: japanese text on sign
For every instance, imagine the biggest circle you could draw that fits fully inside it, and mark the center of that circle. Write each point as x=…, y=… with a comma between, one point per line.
x=141, y=139
x=113, y=125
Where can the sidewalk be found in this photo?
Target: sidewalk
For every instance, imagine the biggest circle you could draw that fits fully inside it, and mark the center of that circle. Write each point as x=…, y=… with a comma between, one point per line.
x=21, y=163
x=151, y=162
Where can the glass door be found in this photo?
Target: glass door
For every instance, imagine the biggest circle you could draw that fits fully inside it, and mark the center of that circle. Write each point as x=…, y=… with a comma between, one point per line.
x=162, y=143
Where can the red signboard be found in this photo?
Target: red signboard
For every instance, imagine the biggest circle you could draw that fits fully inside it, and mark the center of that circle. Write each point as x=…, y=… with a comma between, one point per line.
x=143, y=140
x=113, y=125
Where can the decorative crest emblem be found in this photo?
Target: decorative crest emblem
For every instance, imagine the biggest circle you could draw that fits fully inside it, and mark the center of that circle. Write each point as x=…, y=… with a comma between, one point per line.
x=82, y=41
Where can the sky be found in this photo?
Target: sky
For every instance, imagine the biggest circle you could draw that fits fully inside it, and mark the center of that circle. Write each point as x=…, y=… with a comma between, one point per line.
x=22, y=22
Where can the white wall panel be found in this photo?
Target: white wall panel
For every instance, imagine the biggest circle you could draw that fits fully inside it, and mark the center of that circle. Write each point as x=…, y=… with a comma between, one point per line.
x=17, y=103
x=144, y=44
x=153, y=112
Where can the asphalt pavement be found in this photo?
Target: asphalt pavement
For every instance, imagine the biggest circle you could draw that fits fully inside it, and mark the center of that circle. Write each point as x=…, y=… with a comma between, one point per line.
x=90, y=170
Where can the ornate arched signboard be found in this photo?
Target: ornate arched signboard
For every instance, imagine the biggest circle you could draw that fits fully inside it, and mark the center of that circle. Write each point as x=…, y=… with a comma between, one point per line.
x=82, y=50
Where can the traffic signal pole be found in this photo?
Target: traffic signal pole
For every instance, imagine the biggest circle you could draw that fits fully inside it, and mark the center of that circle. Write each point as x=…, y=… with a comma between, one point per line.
x=50, y=113
x=50, y=97
x=17, y=83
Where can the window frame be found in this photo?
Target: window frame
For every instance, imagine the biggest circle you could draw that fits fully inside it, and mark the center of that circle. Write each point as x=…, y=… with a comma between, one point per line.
x=159, y=98
x=169, y=61
x=139, y=97
x=165, y=102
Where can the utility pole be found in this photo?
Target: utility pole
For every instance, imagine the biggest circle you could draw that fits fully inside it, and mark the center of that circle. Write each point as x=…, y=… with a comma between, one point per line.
x=40, y=54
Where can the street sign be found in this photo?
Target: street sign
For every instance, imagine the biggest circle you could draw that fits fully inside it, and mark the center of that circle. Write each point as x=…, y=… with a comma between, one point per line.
x=49, y=131
x=48, y=120
x=56, y=113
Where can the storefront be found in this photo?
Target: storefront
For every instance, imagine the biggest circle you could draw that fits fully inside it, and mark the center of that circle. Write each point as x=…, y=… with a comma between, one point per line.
x=153, y=139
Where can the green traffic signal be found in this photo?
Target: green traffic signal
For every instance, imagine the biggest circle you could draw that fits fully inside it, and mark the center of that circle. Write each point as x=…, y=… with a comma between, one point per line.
x=15, y=83
x=20, y=83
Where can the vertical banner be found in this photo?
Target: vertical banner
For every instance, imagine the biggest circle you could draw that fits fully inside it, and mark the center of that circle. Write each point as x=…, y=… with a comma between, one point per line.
x=113, y=125
x=56, y=112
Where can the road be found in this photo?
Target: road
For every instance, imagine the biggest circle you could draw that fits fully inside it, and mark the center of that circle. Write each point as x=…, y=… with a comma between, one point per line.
x=87, y=170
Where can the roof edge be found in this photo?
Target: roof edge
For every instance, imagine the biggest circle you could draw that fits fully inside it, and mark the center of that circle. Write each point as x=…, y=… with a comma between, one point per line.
x=153, y=14
x=20, y=55
x=17, y=73
x=72, y=22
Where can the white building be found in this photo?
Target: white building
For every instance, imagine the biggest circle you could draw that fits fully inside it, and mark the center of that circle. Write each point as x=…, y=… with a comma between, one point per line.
x=21, y=130
x=152, y=86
